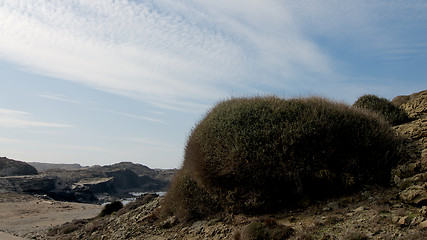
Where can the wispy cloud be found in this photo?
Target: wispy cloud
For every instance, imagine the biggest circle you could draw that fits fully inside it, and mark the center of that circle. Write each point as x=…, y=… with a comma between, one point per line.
x=184, y=55
x=142, y=141
x=83, y=148
x=149, y=144
x=55, y=145
x=10, y=140
x=174, y=55
x=144, y=118
x=57, y=97
x=120, y=47
x=19, y=119
x=391, y=29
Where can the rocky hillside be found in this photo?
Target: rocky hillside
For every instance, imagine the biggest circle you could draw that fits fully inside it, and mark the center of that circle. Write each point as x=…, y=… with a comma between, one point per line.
x=91, y=184
x=395, y=212
x=9, y=167
x=411, y=178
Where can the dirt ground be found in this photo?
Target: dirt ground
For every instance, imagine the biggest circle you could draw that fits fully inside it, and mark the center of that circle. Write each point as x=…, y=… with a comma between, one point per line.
x=373, y=213
x=26, y=215
x=6, y=236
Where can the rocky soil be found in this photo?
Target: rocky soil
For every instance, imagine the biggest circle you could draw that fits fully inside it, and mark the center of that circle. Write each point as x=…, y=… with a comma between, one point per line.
x=396, y=212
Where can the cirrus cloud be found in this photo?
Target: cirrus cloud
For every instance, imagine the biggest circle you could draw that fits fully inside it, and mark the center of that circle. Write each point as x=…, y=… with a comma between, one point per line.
x=179, y=55
x=185, y=55
x=19, y=119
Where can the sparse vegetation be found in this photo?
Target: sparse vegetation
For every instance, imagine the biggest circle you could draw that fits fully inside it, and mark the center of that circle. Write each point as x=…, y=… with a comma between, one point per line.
x=141, y=200
x=257, y=154
x=385, y=108
x=111, y=208
x=187, y=200
x=67, y=227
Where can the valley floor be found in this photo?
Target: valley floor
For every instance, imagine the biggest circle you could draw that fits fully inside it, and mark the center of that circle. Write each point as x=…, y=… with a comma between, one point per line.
x=27, y=216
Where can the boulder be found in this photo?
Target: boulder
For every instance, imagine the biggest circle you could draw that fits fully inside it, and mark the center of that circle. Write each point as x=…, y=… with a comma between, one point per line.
x=415, y=195
x=417, y=179
x=423, y=224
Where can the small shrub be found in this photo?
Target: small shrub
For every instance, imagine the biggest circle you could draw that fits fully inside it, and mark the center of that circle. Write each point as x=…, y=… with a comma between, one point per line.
x=95, y=224
x=111, y=208
x=392, y=113
x=187, y=200
x=260, y=154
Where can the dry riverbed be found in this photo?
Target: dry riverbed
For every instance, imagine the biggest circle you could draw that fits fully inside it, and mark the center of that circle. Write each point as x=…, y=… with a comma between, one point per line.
x=26, y=215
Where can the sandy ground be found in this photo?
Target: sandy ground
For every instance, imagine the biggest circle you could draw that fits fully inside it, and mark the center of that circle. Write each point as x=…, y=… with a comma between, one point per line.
x=6, y=236
x=26, y=215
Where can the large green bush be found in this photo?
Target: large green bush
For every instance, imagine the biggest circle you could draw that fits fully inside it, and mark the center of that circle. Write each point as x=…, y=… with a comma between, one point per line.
x=392, y=113
x=261, y=153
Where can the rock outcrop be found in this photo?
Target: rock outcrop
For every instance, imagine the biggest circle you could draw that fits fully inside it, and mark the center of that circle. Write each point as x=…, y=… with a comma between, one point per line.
x=416, y=107
x=411, y=177
x=91, y=184
x=36, y=184
x=9, y=167
x=399, y=100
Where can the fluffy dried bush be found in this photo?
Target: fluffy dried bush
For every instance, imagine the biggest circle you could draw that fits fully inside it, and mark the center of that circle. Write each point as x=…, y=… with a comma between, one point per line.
x=262, y=153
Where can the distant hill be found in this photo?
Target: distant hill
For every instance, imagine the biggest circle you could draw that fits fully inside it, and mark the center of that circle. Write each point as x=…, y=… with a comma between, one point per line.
x=9, y=167
x=72, y=182
x=142, y=170
x=47, y=166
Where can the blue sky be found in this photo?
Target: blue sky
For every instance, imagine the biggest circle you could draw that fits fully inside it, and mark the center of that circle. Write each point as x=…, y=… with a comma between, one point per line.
x=99, y=82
